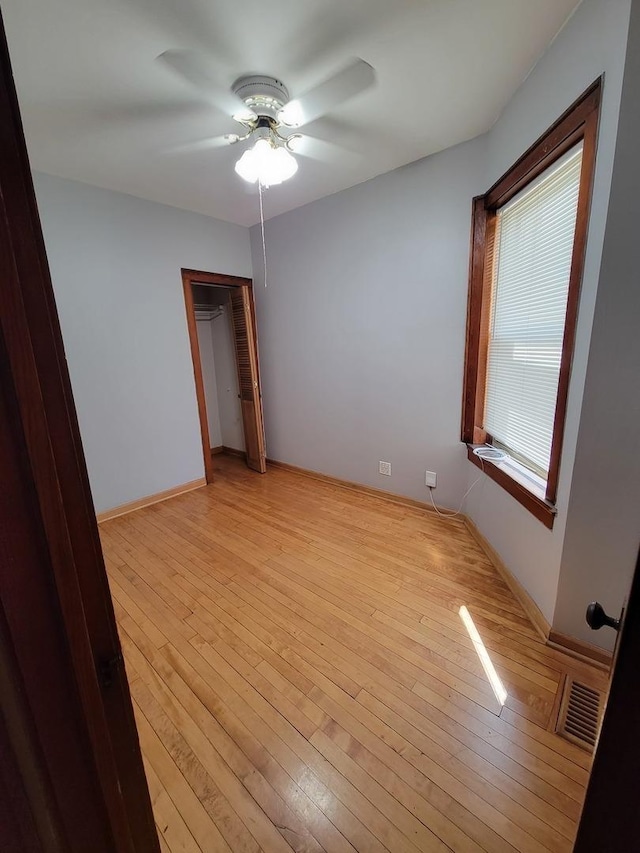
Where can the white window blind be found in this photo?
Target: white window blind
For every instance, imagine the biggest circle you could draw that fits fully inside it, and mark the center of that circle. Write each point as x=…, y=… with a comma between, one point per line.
x=532, y=264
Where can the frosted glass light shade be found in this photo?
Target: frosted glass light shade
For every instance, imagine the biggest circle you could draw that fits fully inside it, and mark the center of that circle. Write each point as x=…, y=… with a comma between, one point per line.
x=291, y=115
x=266, y=164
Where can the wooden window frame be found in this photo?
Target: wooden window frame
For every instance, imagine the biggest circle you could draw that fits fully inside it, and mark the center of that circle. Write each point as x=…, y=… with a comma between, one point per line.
x=578, y=123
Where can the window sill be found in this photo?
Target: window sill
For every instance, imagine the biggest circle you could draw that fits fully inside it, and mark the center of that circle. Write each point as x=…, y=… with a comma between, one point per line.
x=526, y=492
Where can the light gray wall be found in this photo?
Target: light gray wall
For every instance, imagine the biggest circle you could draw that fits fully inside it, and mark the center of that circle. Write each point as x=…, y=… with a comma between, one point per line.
x=362, y=326
x=227, y=381
x=362, y=323
x=207, y=361
x=592, y=42
x=603, y=523
x=115, y=263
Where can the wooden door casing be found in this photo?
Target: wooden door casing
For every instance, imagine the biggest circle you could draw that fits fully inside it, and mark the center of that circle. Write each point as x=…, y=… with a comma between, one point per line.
x=246, y=348
x=248, y=379
x=187, y=288
x=56, y=606
x=35, y=660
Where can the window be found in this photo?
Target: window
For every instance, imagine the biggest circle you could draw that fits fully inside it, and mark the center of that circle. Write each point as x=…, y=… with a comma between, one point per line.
x=529, y=289
x=527, y=252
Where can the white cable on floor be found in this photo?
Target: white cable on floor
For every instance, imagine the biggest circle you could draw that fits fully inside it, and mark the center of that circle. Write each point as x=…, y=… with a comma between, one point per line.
x=264, y=244
x=464, y=497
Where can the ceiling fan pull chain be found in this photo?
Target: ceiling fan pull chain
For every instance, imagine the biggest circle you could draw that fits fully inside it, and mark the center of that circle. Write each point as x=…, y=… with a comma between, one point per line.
x=264, y=244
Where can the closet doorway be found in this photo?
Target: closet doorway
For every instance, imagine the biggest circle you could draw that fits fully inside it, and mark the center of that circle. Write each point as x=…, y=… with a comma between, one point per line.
x=222, y=332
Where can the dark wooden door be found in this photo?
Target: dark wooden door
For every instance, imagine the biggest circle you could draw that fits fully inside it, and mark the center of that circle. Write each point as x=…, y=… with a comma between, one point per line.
x=610, y=821
x=248, y=378
x=72, y=777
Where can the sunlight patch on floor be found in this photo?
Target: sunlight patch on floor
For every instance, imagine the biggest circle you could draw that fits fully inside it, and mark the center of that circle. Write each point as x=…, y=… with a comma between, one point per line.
x=490, y=671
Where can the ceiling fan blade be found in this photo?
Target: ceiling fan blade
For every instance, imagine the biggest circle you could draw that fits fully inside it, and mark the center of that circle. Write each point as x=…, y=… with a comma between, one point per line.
x=321, y=149
x=337, y=28
x=209, y=143
x=199, y=70
x=188, y=22
x=130, y=114
x=341, y=131
x=353, y=79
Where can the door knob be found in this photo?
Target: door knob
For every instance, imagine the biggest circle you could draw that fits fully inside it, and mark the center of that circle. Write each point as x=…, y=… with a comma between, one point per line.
x=596, y=617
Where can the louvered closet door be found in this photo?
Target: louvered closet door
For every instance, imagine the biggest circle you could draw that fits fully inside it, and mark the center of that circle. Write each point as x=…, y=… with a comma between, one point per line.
x=248, y=379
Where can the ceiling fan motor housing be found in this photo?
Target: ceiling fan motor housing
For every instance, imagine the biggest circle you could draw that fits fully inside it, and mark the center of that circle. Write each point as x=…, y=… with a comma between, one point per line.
x=264, y=95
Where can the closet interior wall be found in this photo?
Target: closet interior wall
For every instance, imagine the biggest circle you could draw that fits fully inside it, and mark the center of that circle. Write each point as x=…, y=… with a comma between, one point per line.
x=219, y=369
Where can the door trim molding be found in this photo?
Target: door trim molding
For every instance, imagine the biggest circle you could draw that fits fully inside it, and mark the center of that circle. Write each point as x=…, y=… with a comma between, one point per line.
x=189, y=278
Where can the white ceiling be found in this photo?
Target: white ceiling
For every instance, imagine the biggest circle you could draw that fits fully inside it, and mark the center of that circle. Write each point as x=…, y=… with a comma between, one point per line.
x=99, y=107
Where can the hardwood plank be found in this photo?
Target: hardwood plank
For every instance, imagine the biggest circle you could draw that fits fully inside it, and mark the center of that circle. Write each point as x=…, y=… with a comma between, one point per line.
x=253, y=719
x=325, y=640
x=544, y=781
x=303, y=679
x=164, y=847
x=483, y=777
x=429, y=804
x=244, y=788
x=489, y=821
x=190, y=808
x=236, y=835
x=413, y=829
x=171, y=824
x=290, y=750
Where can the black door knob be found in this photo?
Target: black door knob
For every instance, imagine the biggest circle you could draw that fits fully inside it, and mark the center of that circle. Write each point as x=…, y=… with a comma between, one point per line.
x=596, y=617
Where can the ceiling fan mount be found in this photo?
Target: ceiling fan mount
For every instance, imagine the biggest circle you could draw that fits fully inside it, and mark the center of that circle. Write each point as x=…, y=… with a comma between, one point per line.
x=263, y=95
x=264, y=98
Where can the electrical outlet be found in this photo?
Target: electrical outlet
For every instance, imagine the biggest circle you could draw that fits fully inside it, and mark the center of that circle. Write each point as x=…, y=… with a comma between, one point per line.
x=430, y=478
x=384, y=468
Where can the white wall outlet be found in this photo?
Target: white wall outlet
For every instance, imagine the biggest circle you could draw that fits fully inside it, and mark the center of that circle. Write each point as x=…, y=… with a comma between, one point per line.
x=430, y=478
x=384, y=468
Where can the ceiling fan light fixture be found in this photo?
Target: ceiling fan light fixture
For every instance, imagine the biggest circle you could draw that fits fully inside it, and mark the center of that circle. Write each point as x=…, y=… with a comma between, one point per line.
x=292, y=114
x=267, y=164
x=294, y=142
x=244, y=116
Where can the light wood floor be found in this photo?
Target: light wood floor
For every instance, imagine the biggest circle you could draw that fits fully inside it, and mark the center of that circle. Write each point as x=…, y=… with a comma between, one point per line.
x=303, y=680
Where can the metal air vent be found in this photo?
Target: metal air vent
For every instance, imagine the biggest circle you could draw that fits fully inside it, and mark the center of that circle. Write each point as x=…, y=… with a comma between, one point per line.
x=580, y=713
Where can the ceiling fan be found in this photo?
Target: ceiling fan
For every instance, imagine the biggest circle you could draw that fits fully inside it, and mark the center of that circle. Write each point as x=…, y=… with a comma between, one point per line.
x=261, y=104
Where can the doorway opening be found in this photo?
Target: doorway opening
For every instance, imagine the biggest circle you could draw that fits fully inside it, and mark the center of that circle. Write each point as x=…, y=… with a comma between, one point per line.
x=222, y=333
x=219, y=371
